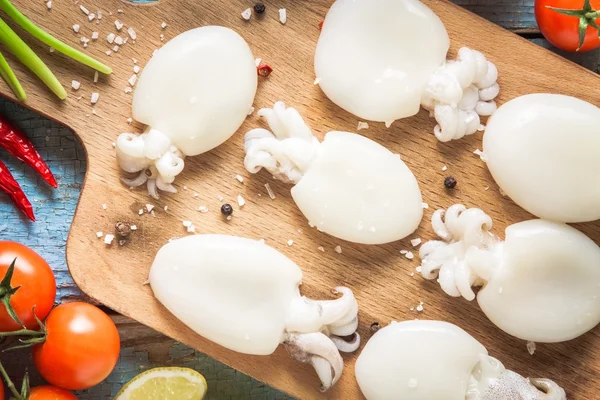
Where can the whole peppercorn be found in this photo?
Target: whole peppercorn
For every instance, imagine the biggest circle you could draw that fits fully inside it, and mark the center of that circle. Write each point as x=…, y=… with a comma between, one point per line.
x=450, y=182
x=226, y=209
x=123, y=230
x=259, y=8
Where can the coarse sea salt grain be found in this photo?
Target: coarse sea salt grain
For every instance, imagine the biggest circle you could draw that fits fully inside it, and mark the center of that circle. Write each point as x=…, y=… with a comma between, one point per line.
x=141, y=211
x=321, y=249
x=247, y=13
x=531, y=347
x=99, y=234
x=91, y=17
x=133, y=227
x=95, y=97
x=136, y=69
x=95, y=35
x=241, y=201
x=149, y=207
x=129, y=121
x=76, y=28
x=84, y=10
x=75, y=85
x=480, y=153
x=338, y=249
x=118, y=25
x=270, y=191
x=251, y=111
x=419, y=269
x=282, y=15
x=290, y=242
x=163, y=25
x=132, y=80
x=128, y=90
x=444, y=168
x=317, y=81
x=257, y=61
x=108, y=52
x=420, y=307
x=425, y=206
x=409, y=255
x=110, y=38
x=95, y=76
x=240, y=178
x=203, y=209
x=116, y=48
x=131, y=33
x=362, y=125
x=108, y=239
x=49, y=4
x=119, y=40
x=415, y=242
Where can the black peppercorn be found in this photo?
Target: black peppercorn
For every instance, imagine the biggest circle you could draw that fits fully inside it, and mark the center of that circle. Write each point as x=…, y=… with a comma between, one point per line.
x=259, y=8
x=375, y=327
x=450, y=182
x=226, y=209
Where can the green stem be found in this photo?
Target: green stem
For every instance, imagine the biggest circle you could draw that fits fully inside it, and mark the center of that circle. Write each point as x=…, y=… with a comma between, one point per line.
x=593, y=15
x=20, y=49
x=9, y=76
x=22, y=332
x=50, y=40
x=11, y=386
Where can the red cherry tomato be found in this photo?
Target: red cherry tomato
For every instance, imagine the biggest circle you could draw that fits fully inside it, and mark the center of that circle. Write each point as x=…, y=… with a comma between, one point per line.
x=1, y=391
x=37, y=286
x=50, y=393
x=563, y=30
x=81, y=349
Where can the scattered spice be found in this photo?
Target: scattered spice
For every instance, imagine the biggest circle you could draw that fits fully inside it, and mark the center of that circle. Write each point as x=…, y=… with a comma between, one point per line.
x=226, y=209
x=123, y=230
x=91, y=17
x=259, y=8
x=450, y=182
x=321, y=25
x=375, y=326
x=264, y=70
x=119, y=40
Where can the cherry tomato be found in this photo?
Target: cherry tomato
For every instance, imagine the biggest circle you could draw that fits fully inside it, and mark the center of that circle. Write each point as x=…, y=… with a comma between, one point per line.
x=563, y=30
x=1, y=391
x=81, y=349
x=50, y=393
x=37, y=286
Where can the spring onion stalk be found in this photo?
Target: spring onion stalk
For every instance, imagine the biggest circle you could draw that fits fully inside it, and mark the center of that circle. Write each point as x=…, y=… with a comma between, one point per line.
x=50, y=40
x=9, y=76
x=27, y=56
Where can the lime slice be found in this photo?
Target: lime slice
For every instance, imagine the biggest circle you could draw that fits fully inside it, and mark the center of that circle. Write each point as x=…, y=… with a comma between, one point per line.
x=165, y=384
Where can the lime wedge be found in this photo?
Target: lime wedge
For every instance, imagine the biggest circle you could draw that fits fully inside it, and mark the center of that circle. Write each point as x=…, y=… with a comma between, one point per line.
x=170, y=383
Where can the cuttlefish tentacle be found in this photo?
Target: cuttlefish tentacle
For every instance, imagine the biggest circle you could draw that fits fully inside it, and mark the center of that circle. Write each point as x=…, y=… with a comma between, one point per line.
x=462, y=258
x=460, y=92
x=287, y=150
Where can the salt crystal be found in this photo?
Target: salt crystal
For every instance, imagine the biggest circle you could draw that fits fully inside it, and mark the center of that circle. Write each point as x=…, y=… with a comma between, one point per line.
x=118, y=25
x=131, y=33
x=115, y=49
x=114, y=145
x=409, y=255
x=290, y=242
x=251, y=111
x=191, y=229
x=412, y=274
x=415, y=242
x=321, y=249
x=203, y=209
x=132, y=79
x=412, y=309
x=282, y=15
x=419, y=269
x=119, y=40
x=149, y=207
x=425, y=205
x=141, y=211
x=187, y=223
x=49, y=5
x=240, y=178
x=486, y=188
x=480, y=153
x=75, y=85
x=104, y=206
x=119, y=11
x=108, y=52
x=91, y=17
x=136, y=69
x=128, y=90
x=257, y=61
x=133, y=228
x=444, y=168
x=362, y=125
x=85, y=10
x=317, y=81
x=531, y=347
x=184, y=187
x=76, y=28
x=270, y=191
x=338, y=249
x=108, y=238
x=95, y=76
x=99, y=234
x=95, y=97
x=134, y=60
x=403, y=252
x=420, y=307
x=247, y=13
x=241, y=201
x=51, y=49
x=110, y=38
x=163, y=25
x=220, y=198
x=166, y=208
x=300, y=231
x=99, y=15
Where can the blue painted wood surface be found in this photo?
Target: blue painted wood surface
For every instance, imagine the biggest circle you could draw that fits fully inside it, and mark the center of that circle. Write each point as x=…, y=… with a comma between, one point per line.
x=55, y=209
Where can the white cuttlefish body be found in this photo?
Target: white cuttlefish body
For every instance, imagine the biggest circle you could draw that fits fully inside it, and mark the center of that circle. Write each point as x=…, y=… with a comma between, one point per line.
x=542, y=150
x=347, y=186
x=424, y=360
x=541, y=284
x=193, y=95
x=382, y=60
x=244, y=295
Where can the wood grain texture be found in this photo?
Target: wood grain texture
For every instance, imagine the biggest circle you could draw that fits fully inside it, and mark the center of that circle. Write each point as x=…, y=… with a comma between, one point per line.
x=379, y=275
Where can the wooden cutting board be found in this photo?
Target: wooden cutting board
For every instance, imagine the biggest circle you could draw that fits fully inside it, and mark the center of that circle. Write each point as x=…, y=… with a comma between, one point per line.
x=379, y=275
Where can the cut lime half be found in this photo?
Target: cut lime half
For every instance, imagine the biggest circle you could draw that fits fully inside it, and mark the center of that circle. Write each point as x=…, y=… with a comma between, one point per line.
x=170, y=383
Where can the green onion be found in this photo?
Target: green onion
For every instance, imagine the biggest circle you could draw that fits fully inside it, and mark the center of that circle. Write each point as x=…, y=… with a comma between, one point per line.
x=50, y=40
x=27, y=56
x=9, y=76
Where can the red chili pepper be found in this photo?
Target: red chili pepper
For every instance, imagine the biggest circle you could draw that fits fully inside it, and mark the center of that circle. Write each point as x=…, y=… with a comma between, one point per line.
x=19, y=146
x=264, y=70
x=13, y=189
x=321, y=25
